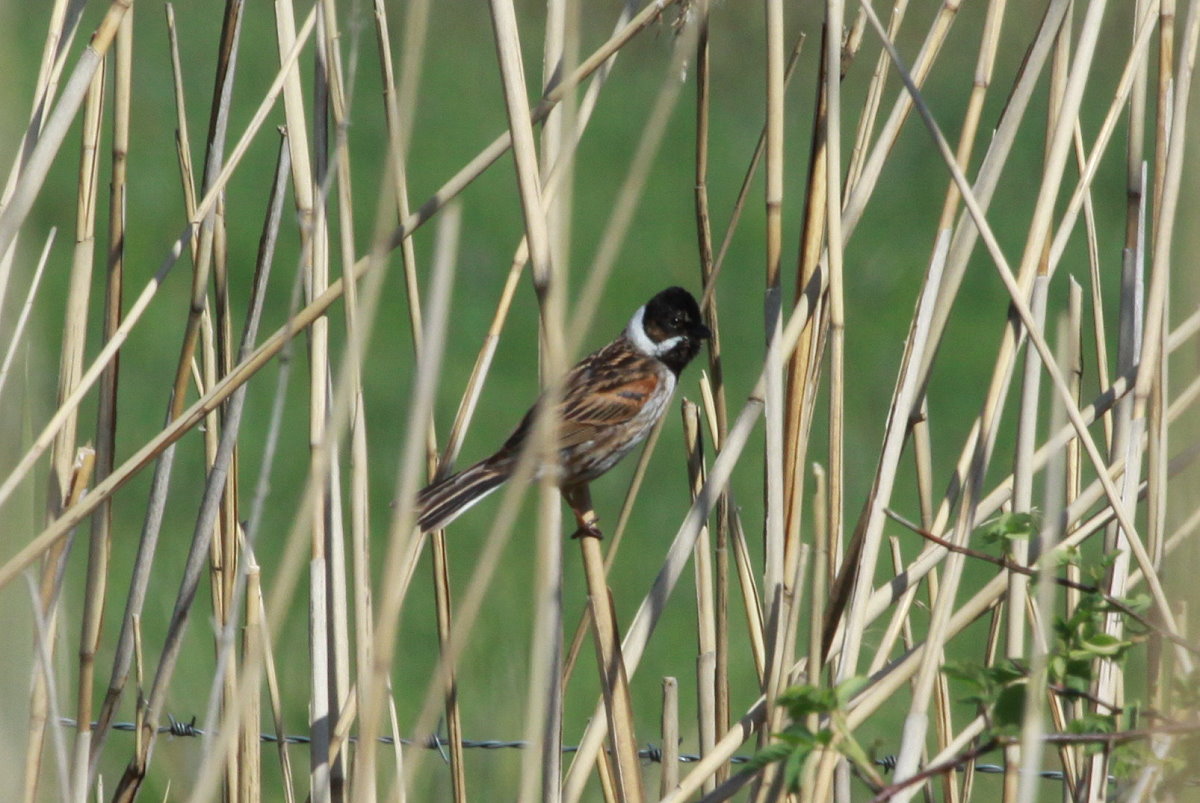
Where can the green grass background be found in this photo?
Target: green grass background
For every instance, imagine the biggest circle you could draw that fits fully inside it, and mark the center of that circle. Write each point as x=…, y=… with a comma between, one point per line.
x=460, y=110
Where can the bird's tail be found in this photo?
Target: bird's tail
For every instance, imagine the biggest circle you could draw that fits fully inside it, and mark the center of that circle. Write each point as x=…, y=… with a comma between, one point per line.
x=445, y=500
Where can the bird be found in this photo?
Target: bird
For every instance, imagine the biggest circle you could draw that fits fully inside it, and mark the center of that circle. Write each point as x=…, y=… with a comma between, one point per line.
x=610, y=401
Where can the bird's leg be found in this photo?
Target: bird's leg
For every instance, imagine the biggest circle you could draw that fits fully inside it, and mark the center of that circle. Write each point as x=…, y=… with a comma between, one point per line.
x=580, y=500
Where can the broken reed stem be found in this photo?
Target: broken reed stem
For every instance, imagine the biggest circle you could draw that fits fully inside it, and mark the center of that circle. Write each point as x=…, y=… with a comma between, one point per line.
x=249, y=749
x=669, y=765
x=706, y=624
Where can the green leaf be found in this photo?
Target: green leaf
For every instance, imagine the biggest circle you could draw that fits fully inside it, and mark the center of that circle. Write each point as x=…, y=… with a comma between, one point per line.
x=849, y=687
x=1090, y=722
x=853, y=751
x=1103, y=644
x=1138, y=603
x=1008, y=527
x=1067, y=556
x=1010, y=707
x=769, y=755
x=801, y=701
x=1007, y=671
x=1057, y=667
x=966, y=672
x=793, y=769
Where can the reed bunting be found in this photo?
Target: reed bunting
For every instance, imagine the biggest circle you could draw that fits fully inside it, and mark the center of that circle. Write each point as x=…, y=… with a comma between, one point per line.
x=611, y=399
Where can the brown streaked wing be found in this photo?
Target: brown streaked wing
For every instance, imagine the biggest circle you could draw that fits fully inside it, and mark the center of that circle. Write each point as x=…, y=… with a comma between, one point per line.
x=602, y=393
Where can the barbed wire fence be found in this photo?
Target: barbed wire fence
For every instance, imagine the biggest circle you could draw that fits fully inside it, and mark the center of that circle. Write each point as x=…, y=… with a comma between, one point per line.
x=652, y=753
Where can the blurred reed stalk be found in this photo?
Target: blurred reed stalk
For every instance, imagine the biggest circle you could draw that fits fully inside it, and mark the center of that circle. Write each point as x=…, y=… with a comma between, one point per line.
x=1097, y=455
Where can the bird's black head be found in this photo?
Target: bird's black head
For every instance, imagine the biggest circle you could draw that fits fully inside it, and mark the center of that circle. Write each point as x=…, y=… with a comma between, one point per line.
x=669, y=327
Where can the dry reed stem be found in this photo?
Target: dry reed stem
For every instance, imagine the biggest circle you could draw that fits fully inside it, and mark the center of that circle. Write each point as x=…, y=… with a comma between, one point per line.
x=706, y=614
x=834, y=14
x=870, y=109
x=337, y=568
x=44, y=677
x=398, y=562
x=399, y=129
x=1147, y=431
x=34, y=172
x=631, y=495
x=544, y=707
x=923, y=458
x=359, y=456
x=862, y=559
x=987, y=179
x=106, y=417
x=46, y=598
x=908, y=756
x=669, y=737
x=281, y=337
x=544, y=704
x=804, y=369
x=616, y=230
x=649, y=611
x=751, y=599
x=614, y=680
x=714, y=401
x=774, y=529
x=63, y=452
x=984, y=67
x=1156, y=469
x=195, y=413
x=823, y=570
x=1022, y=502
x=1033, y=727
x=18, y=332
x=266, y=656
x=919, y=567
x=230, y=698
x=323, y=701
x=249, y=744
x=860, y=192
x=58, y=40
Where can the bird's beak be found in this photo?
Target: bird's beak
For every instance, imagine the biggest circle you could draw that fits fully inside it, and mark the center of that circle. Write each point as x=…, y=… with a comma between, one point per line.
x=701, y=332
